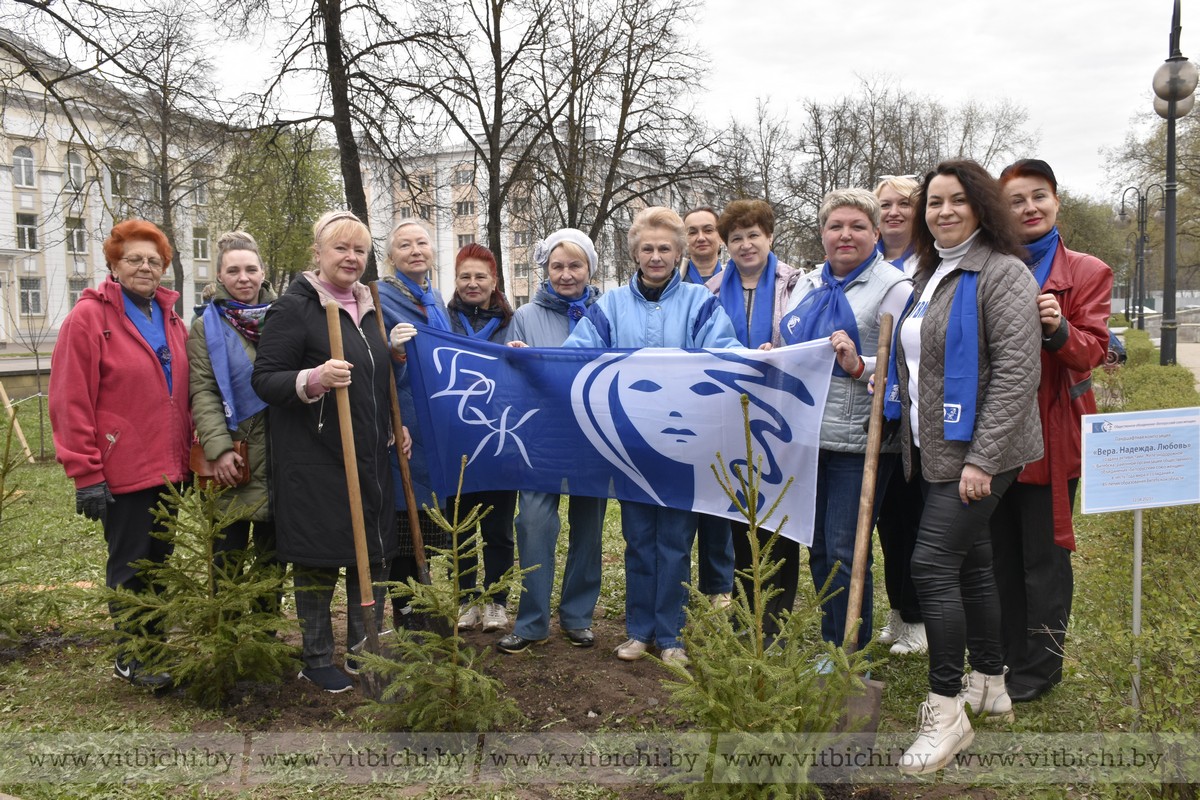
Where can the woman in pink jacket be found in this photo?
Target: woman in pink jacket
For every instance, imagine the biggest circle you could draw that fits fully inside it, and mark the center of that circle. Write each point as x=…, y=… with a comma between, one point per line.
x=119, y=406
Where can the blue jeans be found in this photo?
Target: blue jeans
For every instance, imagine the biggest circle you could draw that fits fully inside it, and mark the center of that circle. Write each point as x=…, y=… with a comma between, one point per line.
x=714, y=546
x=839, y=484
x=537, y=537
x=658, y=568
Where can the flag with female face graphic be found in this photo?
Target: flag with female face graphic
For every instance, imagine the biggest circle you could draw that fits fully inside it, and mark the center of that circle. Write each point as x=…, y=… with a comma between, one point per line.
x=644, y=425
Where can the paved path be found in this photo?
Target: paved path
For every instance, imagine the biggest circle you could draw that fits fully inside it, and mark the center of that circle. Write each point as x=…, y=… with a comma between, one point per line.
x=1187, y=354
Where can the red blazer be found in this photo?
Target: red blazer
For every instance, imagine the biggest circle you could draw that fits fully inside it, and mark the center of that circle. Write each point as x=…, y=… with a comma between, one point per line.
x=1083, y=286
x=112, y=416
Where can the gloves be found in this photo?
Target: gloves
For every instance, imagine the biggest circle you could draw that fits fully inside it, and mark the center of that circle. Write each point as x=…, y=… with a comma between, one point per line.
x=92, y=501
x=401, y=334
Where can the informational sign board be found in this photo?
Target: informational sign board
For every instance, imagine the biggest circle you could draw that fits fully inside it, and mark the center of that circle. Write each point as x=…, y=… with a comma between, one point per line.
x=1141, y=459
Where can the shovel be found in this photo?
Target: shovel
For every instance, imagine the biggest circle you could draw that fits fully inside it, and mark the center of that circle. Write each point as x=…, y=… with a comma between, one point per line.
x=434, y=622
x=371, y=685
x=867, y=705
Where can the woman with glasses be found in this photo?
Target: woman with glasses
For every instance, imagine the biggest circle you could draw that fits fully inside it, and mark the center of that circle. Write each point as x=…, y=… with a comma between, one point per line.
x=119, y=409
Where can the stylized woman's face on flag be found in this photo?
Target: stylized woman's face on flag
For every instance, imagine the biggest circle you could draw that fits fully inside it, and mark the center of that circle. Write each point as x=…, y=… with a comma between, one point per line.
x=679, y=415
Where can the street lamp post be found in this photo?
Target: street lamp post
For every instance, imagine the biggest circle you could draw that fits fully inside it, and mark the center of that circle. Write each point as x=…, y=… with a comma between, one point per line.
x=1174, y=82
x=1143, y=216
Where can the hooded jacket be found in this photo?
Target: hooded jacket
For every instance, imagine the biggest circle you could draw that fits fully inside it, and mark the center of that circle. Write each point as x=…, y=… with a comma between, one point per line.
x=544, y=322
x=309, y=500
x=112, y=415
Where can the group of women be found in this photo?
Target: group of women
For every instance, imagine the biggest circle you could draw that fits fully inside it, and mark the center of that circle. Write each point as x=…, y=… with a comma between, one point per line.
x=997, y=328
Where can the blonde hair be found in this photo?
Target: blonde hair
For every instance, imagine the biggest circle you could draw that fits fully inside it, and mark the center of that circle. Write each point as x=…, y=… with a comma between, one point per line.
x=902, y=185
x=656, y=217
x=572, y=250
x=236, y=240
x=335, y=225
x=859, y=199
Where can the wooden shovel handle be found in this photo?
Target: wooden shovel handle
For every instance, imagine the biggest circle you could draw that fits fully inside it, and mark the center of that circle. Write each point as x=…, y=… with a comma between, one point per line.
x=866, y=498
x=410, y=498
x=350, y=459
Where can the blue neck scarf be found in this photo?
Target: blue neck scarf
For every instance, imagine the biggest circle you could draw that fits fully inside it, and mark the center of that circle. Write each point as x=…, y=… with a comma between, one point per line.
x=154, y=332
x=758, y=331
x=576, y=309
x=694, y=276
x=231, y=366
x=433, y=313
x=891, y=401
x=961, y=363
x=1041, y=255
x=898, y=262
x=825, y=310
x=484, y=333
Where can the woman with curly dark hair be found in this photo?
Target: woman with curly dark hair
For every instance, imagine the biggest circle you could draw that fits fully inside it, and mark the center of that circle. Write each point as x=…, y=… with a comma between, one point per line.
x=963, y=383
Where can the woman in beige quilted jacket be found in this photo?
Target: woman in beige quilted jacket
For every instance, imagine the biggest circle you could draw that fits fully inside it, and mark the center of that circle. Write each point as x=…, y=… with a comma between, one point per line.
x=963, y=383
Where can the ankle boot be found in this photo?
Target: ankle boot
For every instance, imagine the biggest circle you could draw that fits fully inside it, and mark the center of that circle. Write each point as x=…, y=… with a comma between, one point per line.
x=943, y=730
x=986, y=695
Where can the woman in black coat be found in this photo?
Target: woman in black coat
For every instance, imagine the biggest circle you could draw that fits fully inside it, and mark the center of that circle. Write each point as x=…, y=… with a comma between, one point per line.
x=296, y=375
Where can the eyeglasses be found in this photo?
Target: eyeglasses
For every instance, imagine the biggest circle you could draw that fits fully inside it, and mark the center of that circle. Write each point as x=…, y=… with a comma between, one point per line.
x=137, y=261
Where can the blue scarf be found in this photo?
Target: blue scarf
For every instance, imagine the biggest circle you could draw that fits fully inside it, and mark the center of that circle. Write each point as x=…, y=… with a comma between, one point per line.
x=961, y=363
x=154, y=332
x=231, y=366
x=1041, y=255
x=898, y=263
x=484, y=333
x=758, y=331
x=824, y=310
x=576, y=309
x=694, y=276
x=428, y=300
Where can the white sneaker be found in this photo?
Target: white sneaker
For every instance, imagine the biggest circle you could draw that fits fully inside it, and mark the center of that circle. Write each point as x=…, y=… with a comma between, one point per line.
x=893, y=629
x=913, y=640
x=943, y=730
x=985, y=695
x=468, y=616
x=675, y=655
x=721, y=601
x=495, y=617
x=631, y=650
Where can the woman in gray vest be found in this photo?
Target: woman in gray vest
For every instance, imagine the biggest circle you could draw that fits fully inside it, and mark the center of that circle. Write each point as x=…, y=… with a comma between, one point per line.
x=843, y=301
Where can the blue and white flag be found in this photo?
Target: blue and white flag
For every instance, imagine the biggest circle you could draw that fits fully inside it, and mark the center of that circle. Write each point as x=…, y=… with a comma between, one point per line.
x=643, y=425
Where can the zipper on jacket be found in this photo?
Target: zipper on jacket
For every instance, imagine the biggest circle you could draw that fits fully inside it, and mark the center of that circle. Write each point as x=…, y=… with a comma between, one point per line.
x=321, y=415
x=375, y=419
x=112, y=442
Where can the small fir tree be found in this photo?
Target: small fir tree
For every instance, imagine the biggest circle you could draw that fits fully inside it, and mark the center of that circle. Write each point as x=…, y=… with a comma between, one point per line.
x=220, y=612
x=741, y=682
x=434, y=680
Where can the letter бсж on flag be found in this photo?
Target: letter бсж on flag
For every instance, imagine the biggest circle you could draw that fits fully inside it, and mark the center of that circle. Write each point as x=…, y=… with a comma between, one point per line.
x=641, y=425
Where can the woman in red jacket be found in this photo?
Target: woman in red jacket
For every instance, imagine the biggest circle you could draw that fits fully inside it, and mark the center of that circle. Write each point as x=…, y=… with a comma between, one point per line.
x=119, y=406
x=1032, y=536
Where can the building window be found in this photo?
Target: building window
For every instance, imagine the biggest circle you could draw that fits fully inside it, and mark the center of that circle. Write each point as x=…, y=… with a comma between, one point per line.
x=27, y=232
x=198, y=298
x=23, y=166
x=200, y=243
x=520, y=205
x=75, y=287
x=522, y=269
x=465, y=208
x=31, y=295
x=465, y=239
x=200, y=188
x=75, y=173
x=426, y=181
x=76, y=235
x=119, y=177
x=464, y=177
x=521, y=239
x=426, y=211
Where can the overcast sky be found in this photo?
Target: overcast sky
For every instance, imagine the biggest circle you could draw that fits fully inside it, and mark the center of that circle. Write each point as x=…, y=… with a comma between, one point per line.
x=1082, y=68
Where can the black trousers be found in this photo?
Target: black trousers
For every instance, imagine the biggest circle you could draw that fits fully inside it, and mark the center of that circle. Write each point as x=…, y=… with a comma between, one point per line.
x=128, y=529
x=899, y=519
x=259, y=550
x=1036, y=584
x=786, y=579
x=497, y=531
x=952, y=570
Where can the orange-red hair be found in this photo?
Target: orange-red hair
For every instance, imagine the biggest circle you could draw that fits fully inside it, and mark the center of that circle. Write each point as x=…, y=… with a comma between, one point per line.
x=135, y=229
